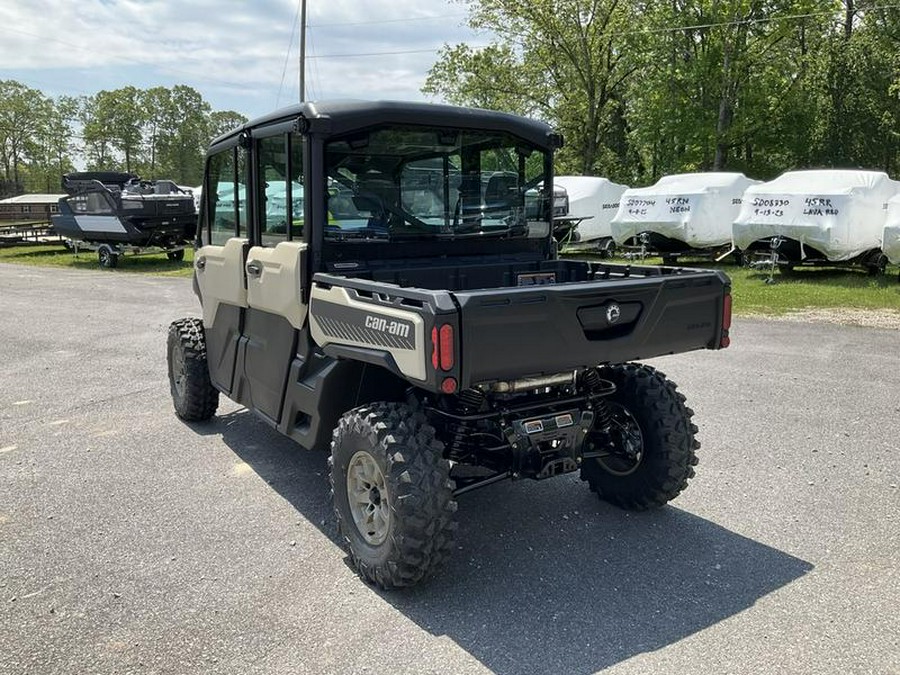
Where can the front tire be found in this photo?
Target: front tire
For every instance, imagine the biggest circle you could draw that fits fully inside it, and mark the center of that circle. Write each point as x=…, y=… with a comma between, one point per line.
x=194, y=396
x=393, y=497
x=654, y=438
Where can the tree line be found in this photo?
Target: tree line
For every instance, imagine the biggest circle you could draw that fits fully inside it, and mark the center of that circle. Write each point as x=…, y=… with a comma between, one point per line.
x=643, y=88
x=157, y=133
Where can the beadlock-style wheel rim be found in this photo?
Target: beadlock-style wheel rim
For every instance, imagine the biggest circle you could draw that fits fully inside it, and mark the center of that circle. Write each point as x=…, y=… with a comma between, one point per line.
x=178, y=371
x=368, y=498
x=628, y=441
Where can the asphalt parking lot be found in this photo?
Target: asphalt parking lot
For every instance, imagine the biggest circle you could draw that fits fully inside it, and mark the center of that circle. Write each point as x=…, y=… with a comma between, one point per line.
x=131, y=542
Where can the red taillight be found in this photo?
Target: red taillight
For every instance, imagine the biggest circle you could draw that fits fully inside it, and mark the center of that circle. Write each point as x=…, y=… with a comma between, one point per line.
x=442, y=355
x=446, y=343
x=434, y=347
x=448, y=386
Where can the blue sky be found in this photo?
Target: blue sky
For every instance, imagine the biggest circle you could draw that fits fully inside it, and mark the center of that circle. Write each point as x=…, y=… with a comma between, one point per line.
x=234, y=52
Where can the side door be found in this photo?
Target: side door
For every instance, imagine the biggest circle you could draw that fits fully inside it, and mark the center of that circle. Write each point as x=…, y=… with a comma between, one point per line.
x=219, y=262
x=275, y=270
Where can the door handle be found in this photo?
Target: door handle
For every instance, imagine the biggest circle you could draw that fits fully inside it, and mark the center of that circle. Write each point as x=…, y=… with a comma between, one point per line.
x=254, y=269
x=200, y=263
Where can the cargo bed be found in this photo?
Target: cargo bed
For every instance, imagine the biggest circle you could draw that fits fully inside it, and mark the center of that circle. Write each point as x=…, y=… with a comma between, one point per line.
x=520, y=320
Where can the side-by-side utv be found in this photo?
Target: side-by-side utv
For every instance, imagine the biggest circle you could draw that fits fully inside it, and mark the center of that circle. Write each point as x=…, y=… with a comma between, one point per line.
x=416, y=322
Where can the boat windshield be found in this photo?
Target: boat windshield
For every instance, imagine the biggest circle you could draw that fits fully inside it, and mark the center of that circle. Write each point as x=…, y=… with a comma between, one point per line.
x=399, y=182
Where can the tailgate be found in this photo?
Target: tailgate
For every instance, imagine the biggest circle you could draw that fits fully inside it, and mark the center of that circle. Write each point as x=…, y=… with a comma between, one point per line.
x=520, y=332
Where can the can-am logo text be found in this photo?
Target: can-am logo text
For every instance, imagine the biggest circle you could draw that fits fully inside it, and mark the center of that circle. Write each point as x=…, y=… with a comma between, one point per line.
x=390, y=327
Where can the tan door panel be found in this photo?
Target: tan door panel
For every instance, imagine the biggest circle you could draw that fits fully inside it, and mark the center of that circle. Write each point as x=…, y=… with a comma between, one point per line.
x=220, y=276
x=275, y=280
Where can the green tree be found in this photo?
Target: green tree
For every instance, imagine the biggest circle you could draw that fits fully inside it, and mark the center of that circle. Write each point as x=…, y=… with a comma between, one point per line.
x=184, y=136
x=98, y=144
x=565, y=61
x=52, y=149
x=858, y=122
x=722, y=80
x=23, y=115
x=223, y=121
x=155, y=104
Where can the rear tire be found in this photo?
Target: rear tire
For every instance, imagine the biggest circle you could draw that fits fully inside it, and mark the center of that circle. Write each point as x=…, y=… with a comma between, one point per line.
x=393, y=497
x=194, y=396
x=645, y=398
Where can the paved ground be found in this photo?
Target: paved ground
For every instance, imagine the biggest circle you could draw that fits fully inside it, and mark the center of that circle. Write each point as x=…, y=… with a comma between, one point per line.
x=131, y=542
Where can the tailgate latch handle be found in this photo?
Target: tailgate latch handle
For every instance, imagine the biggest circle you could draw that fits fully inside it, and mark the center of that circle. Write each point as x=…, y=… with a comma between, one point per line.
x=254, y=269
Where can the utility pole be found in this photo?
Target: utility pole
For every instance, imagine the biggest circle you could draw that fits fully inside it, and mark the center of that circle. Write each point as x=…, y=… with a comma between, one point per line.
x=302, y=51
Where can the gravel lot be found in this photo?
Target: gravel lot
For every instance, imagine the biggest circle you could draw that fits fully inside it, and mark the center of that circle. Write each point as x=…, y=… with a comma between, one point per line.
x=133, y=543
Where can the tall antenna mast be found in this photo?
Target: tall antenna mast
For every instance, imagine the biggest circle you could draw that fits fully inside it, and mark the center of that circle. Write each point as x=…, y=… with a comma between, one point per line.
x=302, y=51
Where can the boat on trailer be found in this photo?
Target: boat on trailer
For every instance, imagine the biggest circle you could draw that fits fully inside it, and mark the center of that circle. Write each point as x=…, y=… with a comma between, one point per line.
x=115, y=213
x=681, y=215
x=822, y=217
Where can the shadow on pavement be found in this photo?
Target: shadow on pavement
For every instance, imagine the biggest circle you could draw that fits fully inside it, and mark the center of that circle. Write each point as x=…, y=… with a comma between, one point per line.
x=547, y=578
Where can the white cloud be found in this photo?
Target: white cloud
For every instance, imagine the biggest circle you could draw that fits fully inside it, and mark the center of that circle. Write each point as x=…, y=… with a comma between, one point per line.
x=233, y=52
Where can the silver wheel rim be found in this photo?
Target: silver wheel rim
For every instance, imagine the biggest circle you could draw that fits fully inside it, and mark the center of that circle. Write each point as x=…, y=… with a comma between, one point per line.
x=368, y=498
x=178, y=374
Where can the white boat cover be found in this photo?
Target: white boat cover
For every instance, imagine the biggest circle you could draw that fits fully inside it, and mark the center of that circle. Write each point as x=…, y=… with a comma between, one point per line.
x=594, y=199
x=695, y=208
x=839, y=212
x=891, y=240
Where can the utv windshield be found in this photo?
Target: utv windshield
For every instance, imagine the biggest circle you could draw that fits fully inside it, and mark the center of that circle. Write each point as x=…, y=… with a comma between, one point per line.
x=395, y=183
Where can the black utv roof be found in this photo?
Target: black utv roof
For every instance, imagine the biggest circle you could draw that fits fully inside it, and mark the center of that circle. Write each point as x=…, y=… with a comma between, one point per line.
x=336, y=118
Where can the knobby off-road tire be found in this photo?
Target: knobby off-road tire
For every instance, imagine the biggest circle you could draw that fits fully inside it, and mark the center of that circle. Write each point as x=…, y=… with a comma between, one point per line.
x=393, y=496
x=193, y=395
x=667, y=434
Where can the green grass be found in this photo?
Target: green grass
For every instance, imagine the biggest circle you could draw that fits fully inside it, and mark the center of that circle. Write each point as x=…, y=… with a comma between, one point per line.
x=804, y=288
x=53, y=255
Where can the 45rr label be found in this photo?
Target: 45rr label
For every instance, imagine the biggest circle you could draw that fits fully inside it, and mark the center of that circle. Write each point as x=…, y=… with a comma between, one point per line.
x=379, y=323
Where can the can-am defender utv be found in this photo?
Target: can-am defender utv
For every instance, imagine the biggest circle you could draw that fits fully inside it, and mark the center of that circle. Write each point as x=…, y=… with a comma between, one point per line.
x=115, y=212
x=416, y=320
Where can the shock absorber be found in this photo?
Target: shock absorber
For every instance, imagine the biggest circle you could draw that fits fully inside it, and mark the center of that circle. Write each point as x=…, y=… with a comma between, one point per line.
x=598, y=389
x=459, y=433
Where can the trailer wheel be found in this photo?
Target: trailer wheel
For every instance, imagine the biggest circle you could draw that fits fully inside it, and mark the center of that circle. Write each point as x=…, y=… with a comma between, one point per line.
x=653, y=446
x=175, y=255
x=393, y=497
x=107, y=257
x=877, y=266
x=606, y=248
x=194, y=396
